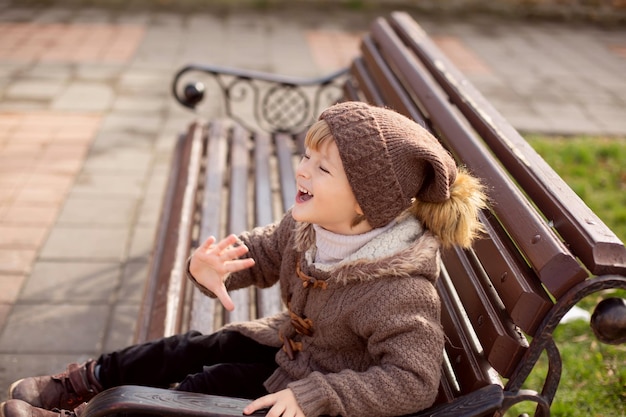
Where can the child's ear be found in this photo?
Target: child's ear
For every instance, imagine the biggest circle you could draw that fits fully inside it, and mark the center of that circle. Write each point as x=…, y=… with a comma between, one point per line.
x=358, y=210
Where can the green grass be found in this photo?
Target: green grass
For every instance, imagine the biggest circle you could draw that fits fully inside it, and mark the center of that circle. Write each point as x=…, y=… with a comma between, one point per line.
x=595, y=168
x=593, y=382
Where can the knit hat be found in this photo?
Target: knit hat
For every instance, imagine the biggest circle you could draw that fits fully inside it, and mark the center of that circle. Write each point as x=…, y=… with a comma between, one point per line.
x=389, y=159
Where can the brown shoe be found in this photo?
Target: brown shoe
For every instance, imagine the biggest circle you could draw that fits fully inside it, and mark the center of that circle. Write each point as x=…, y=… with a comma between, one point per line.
x=64, y=391
x=19, y=408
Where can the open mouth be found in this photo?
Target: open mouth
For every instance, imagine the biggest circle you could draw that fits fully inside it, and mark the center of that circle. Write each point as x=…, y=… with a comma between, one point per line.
x=303, y=195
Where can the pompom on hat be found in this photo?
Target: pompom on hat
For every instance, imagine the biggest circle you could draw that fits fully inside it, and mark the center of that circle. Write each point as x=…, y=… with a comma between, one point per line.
x=389, y=160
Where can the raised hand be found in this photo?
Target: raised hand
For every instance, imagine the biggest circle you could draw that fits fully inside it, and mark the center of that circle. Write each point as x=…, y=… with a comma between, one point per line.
x=212, y=262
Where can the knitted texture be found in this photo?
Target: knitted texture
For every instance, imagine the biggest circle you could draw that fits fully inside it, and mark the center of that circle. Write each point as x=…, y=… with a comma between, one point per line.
x=389, y=159
x=376, y=345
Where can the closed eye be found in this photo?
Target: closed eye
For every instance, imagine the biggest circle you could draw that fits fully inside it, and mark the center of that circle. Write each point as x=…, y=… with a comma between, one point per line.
x=307, y=157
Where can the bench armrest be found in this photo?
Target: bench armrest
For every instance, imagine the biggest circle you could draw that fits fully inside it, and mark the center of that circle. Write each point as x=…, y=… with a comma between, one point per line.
x=259, y=100
x=131, y=399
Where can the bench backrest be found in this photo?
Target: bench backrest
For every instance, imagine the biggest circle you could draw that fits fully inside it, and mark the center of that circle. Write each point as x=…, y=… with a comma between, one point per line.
x=542, y=239
x=226, y=179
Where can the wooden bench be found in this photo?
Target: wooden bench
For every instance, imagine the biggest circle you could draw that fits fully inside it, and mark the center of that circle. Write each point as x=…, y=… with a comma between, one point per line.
x=544, y=249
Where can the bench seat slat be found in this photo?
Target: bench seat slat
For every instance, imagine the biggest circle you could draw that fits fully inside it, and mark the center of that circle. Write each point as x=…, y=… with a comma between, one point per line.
x=367, y=88
x=204, y=317
x=502, y=344
x=285, y=150
x=393, y=92
x=524, y=298
x=470, y=369
x=153, y=313
x=554, y=264
x=589, y=237
x=238, y=211
x=267, y=299
x=263, y=198
x=351, y=91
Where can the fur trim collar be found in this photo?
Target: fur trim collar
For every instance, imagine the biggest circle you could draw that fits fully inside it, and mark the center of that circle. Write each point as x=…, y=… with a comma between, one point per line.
x=405, y=250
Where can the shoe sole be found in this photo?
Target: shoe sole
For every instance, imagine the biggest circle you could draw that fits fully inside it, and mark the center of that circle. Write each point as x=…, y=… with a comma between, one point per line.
x=12, y=387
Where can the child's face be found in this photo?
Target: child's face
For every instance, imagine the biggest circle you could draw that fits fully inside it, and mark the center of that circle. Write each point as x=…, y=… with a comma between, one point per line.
x=324, y=194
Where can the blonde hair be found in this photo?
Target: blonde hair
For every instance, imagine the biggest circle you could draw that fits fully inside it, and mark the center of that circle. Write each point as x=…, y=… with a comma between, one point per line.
x=318, y=134
x=455, y=221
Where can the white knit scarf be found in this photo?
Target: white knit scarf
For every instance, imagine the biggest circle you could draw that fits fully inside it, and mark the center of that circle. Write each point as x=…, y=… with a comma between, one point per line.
x=332, y=247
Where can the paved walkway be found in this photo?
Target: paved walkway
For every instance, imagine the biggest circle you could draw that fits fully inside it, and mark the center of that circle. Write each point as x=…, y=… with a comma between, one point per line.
x=87, y=125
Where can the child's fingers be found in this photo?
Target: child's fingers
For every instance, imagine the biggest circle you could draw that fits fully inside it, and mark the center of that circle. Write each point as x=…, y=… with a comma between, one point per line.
x=222, y=294
x=226, y=242
x=259, y=403
x=207, y=244
x=239, y=264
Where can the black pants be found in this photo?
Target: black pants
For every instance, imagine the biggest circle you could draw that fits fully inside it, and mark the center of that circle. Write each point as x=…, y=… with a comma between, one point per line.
x=223, y=363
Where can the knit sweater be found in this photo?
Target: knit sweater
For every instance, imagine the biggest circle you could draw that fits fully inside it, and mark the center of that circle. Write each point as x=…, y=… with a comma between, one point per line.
x=361, y=338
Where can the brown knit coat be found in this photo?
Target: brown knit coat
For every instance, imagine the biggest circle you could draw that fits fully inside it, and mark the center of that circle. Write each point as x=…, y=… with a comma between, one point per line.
x=375, y=345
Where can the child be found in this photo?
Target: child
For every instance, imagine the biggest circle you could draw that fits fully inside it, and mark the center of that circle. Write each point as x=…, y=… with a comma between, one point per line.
x=357, y=257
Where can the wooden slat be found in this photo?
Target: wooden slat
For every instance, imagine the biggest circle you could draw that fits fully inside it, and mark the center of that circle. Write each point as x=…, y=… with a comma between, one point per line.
x=151, y=322
x=470, y=370
x=585, y=233
x=264, y=213
x=351, y=91
x=268, y=300
x=178, y=278
x=204, y=308
x=367, y=88
x=554, y=264
x=239, y=195
x=394, y=94
x=503, y=346
x=523, y=297
x=285, y=153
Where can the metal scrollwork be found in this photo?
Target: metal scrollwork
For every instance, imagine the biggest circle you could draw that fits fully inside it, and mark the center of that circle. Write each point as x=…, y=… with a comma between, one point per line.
x=257, y=100
x=543, y=342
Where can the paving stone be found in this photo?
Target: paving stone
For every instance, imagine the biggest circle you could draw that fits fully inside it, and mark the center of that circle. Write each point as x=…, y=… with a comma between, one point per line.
x=125, y=185
x=131, y=104
x=10, y=286
x=134, y=124
x=78, y=328
x=16, y=260
x=103, y=211
x=142, y=242
x=84, y=97
x=85, y=243
x=81, y=282
x=33, y=90
x=59, y=73
x=122, y=326
x=126, y=158
x=132, y=285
